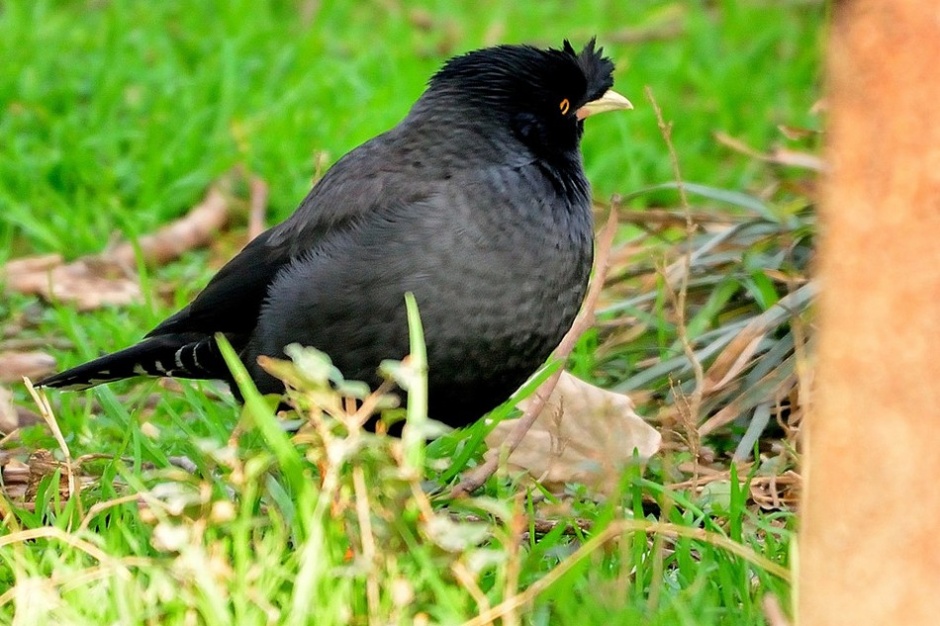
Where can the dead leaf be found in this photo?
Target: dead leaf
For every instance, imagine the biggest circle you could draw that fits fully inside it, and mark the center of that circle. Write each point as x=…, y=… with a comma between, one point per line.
x=585, y=435
x=26, y=344
x=8, y=419
x=14, y=365
x=32, y=264
x=12, y=416
x=108, y=279
x=734, y=358
x=86, y=283
x=15, y=475
x=194, y=230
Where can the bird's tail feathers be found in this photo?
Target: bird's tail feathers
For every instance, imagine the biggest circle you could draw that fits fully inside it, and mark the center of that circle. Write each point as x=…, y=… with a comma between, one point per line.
x=179, y=355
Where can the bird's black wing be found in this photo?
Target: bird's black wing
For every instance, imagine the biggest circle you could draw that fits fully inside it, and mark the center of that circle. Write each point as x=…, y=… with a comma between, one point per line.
x=232, y=300
x=184, y=345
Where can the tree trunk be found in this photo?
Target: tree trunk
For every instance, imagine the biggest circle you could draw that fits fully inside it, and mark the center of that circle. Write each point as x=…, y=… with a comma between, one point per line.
x=870, y=542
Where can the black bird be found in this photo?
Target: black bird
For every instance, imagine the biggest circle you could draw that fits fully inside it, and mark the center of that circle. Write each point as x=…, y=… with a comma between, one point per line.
x=476, y=202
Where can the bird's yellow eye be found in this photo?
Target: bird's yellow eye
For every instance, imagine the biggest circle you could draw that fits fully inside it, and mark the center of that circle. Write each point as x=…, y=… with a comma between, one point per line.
x=563, y=106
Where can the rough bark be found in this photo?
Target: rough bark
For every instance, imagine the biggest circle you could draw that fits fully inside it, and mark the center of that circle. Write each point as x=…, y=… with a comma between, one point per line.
x=870, y=544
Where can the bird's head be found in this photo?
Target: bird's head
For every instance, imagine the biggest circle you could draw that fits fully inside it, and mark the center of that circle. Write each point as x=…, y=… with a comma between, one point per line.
x=540, y=96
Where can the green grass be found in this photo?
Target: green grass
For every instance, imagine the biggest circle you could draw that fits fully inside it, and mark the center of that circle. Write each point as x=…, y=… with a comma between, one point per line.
x=115, y=117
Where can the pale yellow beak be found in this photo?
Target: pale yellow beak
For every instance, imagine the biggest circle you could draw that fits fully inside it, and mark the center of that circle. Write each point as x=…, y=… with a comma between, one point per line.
x=610, y=101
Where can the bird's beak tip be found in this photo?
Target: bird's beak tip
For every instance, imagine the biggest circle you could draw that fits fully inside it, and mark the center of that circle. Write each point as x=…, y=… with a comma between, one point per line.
x=610, y=101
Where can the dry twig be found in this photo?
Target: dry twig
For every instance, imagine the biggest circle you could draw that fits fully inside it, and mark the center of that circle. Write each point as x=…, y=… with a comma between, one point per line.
x=258, y=206
x=108, y=278
x=679, y=296
x=194, y=230
x=777, y=156
x=46, y=411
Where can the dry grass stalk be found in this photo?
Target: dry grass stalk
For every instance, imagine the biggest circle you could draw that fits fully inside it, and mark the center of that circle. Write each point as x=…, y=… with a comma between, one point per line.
x=612, y=532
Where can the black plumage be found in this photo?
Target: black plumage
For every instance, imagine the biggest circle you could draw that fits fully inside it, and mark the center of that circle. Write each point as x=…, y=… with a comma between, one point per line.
x=476, y=202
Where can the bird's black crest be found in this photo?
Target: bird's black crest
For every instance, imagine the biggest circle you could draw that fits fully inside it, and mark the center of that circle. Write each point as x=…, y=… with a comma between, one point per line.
x=508, y=69
x=598, y=69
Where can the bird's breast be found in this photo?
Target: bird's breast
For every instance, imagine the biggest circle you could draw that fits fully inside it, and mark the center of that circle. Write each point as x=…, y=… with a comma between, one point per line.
x=508, y=276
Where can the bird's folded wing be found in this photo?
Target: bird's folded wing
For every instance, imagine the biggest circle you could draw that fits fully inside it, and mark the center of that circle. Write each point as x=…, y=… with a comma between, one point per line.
x=232, y=300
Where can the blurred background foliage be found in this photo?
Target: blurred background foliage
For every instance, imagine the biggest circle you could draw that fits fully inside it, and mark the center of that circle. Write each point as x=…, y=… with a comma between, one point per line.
x=116, y=116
